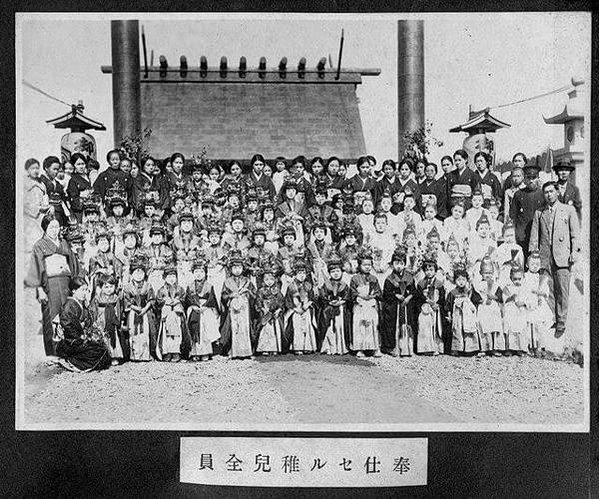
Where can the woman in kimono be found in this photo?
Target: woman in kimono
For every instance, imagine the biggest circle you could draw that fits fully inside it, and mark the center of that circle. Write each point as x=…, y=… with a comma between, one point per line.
x=489, y=310
x=461, y=314
x=79, y=187
x=397, y=335
x=52, y=265
x=365, y=292
x=431, y=296
x=238, y=298
x=515, y=316
x=173, y=337
x=82, y=346
x=269, y=311
x=106, y=313
x=300, y=330
x=35, y=204
x=138, y=302
x=202, y=313
x=216, y=260
x=334, y=318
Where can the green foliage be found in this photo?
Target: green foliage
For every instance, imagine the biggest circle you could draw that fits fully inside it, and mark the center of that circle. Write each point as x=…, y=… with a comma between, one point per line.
x=135, y=147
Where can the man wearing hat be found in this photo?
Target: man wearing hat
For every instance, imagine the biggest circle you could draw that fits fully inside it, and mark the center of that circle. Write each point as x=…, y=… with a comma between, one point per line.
x=568, y=192
x=526, y=201
x=554, y=234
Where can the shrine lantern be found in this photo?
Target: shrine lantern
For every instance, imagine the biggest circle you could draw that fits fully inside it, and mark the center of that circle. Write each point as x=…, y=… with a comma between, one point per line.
x=478, y=127
x=78, y=140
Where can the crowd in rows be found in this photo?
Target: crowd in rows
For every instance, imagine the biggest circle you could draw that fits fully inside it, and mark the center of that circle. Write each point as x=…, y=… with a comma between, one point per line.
x=176, y=261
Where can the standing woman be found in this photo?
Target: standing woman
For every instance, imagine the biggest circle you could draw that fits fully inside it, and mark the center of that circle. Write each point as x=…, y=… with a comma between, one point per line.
x=79, y=185
x=333, y=181
x=257, y=179
x=434, y=191
x=489, y=183
x=35, y=204
x=146, y=182
x=52, y=267
x=316, y=171
x=388, y=183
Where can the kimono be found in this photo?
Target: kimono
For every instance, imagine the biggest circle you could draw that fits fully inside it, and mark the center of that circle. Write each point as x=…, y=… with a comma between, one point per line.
x=461, y=309
x=319, y=252
x=54, y=189
x=105, y=264
x=327, y=214
x=272, y=236
x=159, y=255
x=237, y=333
x=473, y=215
x=431, y=295
x=285, y=256
x=504, y=255
x=334, y=319
x=366, y=221
x=296, y=212
x=77, y=185
x=52, y=268
x=185, y=247
x=490, y=185
x=264, y=181
x=300, y=329
x=124, y=256
x=106, y=311
x=515, y=318
x=435, y=191
x=490, y=321
x=216, y=273
x=232, y=241
x=459, y=228
x=256, y=255
x=383, y=246
x=202, y=317
x=141, y=327
x=34, y=197
x=535, y=289
x=349, y=257
x=365, y=334
x=478, y=248
x=173, y=337
x=269, y=321
x=80, y=344
x=396, y=315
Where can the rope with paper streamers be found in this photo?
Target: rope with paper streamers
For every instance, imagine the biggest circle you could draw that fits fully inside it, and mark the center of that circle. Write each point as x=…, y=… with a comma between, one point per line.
x=37, y=89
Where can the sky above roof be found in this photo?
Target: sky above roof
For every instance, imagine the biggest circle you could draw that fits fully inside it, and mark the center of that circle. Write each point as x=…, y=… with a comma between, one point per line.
x=470, y=59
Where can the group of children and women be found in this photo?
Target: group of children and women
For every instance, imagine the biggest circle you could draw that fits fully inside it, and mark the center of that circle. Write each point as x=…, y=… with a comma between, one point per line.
x=185, y=261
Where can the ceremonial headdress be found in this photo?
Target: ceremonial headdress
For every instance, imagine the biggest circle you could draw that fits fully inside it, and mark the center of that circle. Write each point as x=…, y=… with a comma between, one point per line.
x=486, y=264
x=334, y=262
x=138, y=261
x=103, y=232
x=169, y=270
x=186, y=214
x=365, y=253
x=482, y=220
x=157, y=228
x=235, y=258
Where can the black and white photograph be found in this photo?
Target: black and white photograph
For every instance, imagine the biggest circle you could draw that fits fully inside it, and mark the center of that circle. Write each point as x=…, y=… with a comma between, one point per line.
x=303, y=222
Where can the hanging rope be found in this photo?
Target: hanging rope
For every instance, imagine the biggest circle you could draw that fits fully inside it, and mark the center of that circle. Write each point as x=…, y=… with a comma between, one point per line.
x=556, y=91
x=33, y=87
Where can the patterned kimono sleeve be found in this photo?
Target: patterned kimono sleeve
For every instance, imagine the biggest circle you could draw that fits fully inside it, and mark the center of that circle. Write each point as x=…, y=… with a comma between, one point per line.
x=160, y=297
x=375, y=288
x=70, y=321
x=150, y=298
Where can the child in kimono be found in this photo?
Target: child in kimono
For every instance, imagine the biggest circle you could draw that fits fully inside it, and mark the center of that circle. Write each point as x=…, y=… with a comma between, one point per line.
x=319, y=251
x=480, y=243
x=397, y=335
x=430, y=222
x=515, y=314
x=408, y=216
x=269, y=311
x=270, y=225
x=334, y=317
x=365, y=293
x=172, y=336
x=202, y=313
x=216, y=257
x=116, y=218
x=461, y=314
x=300, y=330
x=146, y=221
x=366, y=217
x=138, y=299
x=496, y=225
x=158, y=253
x=536, y=291
x=236, y=239
x=238, y=305
x=256, y=254
x=456, y=225
x=106, y=312
x=508, y=254
x=430, y=295
x=103, y=263
x=185, y=245
x=348, y=252
x=125, y=251
x=383, y=243
x=285, y=255
x=476, y=211
x=492, y=338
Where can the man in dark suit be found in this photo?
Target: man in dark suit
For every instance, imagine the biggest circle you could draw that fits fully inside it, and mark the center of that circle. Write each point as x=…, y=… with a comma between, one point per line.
x=554, y=234
x=568, y=192
x=525, y=203
x=55, y=189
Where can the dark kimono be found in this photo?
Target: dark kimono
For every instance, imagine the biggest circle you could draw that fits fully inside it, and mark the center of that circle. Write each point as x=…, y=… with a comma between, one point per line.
x=107, y=314
x=397, y=318
x=55, y=189
x=202, y=317
x=141, y=327
x=80, y=346
x=334, y=320
x=237, y=332
x=460, y=307
x=104, y=264
x=77, y=184
x=269, y=319
x=264, y=182
x=51, y=268
x=435, y=191
x=111, y=178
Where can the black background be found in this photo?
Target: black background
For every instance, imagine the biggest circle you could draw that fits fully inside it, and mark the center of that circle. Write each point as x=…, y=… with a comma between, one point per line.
x=127, y=463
